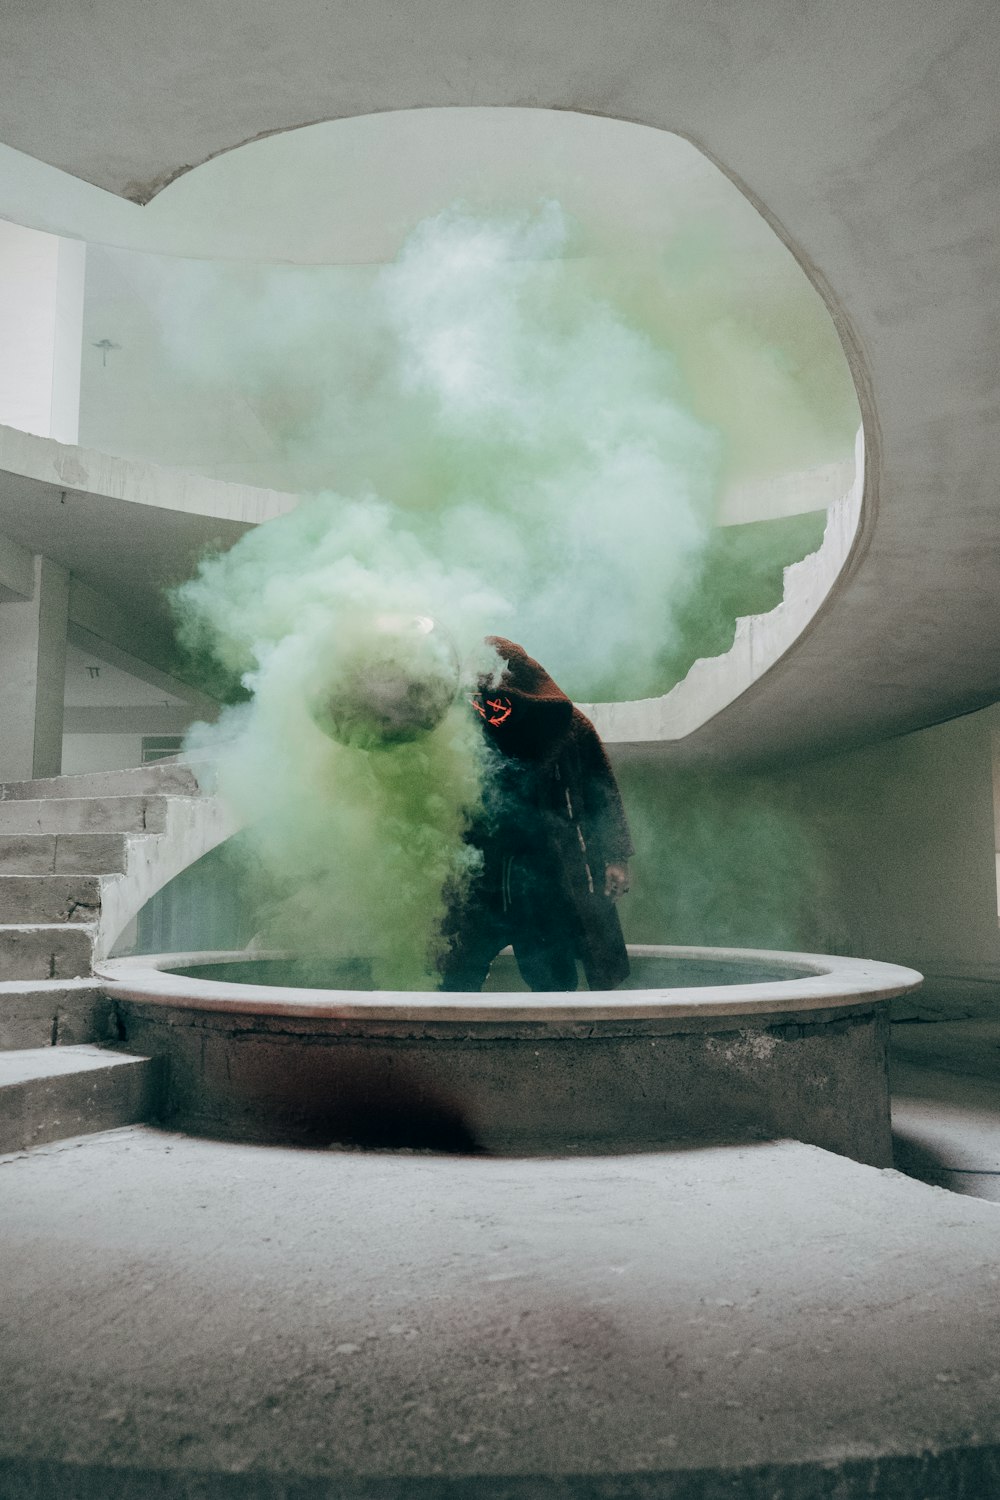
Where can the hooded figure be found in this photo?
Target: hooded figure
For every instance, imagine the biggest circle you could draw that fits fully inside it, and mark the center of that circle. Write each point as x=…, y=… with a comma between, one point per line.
x=554, y=840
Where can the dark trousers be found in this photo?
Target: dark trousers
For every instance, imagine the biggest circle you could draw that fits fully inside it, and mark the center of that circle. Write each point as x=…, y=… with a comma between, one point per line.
x=515, y=902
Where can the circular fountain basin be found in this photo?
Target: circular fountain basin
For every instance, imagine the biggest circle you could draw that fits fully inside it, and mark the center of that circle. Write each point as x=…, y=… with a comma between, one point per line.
x=702, y=1044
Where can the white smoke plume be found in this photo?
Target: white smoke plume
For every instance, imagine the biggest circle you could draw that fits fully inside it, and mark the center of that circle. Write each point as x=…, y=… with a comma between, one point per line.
x=548, y=481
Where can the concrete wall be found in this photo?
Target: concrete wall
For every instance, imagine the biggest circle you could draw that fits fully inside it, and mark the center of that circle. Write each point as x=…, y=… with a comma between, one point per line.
x=907, y=833
x=867, y=132
x=722, y=859
x=157, y=393
x=109, y=711
x=888, y=852
x=100, y=752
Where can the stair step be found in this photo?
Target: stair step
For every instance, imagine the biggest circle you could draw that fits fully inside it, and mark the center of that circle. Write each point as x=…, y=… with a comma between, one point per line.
x=46, y=950
x=83, y=815
x=49, y=898
x=53, y=1012
x=62, y=853
x=165, y=778
x=49, y=1093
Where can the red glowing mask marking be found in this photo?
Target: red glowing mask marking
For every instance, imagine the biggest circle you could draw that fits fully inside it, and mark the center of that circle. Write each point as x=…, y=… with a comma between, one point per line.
x=495, y=711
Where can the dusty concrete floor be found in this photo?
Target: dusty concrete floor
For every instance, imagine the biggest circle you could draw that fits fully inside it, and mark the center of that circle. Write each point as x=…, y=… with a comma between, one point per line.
x=946, y=1104
x=187, y=1317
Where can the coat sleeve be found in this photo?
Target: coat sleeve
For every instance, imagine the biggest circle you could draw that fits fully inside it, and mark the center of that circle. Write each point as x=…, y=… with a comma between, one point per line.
x=602, y=803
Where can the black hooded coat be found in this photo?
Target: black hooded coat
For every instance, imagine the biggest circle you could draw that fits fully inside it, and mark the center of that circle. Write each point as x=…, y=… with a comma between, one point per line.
x=552, y=821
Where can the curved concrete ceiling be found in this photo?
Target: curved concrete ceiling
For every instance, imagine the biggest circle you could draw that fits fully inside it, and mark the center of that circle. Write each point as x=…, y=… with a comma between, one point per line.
x=351, y=191
x=868, y=132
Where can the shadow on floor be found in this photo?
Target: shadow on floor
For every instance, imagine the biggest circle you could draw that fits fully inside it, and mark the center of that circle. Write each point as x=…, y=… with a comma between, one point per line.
x=926, y=1164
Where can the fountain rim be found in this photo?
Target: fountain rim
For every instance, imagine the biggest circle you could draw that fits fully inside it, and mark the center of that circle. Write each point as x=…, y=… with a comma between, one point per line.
x=834, y=982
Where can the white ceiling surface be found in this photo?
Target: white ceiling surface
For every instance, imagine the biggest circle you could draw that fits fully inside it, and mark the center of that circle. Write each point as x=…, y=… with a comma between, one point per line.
x=869, y=131
x=373, y=177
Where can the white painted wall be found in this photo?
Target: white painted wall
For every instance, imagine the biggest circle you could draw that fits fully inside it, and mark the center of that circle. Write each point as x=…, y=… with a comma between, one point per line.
x=100, y=752
x=156, y=394
x=41, y=331
x=64, y=424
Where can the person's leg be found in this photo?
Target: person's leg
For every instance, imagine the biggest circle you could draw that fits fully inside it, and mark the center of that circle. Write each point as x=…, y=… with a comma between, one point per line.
x=542, y=932
x=475, y=935
x=545, y=964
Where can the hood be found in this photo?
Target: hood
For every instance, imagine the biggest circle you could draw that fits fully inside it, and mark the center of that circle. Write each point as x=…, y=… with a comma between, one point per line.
x=526, y=713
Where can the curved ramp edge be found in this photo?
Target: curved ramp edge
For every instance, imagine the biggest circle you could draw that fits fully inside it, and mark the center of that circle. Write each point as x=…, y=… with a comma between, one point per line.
x=192, y=827
x=70, y=467
x=713, y=683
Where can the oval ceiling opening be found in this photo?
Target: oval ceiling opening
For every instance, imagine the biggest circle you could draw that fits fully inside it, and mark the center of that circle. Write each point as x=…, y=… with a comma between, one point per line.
x=564, y=351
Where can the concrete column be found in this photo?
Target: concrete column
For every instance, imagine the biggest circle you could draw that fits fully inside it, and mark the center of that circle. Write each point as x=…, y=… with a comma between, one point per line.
x=33, y=651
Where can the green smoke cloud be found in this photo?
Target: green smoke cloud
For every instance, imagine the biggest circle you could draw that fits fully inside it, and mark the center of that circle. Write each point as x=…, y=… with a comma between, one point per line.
x=353, y=850
x=517, y=422
x=510, y=451
x=723, y=859
x=554, y=479
x=563, y=454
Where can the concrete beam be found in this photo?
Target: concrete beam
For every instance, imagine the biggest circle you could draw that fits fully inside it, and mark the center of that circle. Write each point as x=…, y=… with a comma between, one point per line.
x=98, y=626
x=81, y=472
x=17, y=568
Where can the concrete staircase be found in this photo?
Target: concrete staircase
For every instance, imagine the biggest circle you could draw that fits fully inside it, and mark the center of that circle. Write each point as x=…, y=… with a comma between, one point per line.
x=65, y=844
x=49, y=1093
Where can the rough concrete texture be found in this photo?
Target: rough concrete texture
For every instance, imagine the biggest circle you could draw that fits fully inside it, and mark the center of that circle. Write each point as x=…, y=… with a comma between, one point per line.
x=817, y=1077
x=50, y=1093
x=44, y=1012
x=49, y=898
x=187, y=1318
x=46, y=951
x=163, y=778
x=82, y=815
x=62, y=853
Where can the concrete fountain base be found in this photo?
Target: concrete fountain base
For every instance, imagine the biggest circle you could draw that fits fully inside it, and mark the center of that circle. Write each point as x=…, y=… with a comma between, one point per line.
x=796, y=1046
